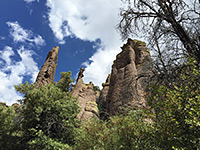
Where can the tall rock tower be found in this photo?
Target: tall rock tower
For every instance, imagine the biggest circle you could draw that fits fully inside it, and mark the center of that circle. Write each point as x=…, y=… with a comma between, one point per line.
x=86, y=98
x=128, y=79
x=47, y=72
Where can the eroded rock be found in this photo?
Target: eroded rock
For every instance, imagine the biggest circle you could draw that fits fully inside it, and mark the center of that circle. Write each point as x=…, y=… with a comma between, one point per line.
x=128, y=80
x=86, y=98
x=101, y=101
x=47, y=72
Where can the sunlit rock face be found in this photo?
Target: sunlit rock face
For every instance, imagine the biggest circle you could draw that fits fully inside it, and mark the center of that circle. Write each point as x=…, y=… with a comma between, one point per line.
x=47, y=72
x=128, y=81
x=86, y=98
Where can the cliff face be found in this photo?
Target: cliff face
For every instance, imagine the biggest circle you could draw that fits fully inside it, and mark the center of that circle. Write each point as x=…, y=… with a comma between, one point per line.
x=86, y=98
x=101, y=101
x=128, y=79
x=47, y=72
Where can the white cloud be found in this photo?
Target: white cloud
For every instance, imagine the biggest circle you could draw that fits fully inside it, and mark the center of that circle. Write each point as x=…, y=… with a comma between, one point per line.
x=89, y=20
x=17, y=32
x=28, y=62
x=38, y=40
x=13, y=72
x=22, y=35
x=6, y=54
x=30, y=1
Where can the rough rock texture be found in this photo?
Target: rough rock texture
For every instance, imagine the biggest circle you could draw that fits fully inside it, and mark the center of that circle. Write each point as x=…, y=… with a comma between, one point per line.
x=86, y=98
x=47, y=72
x=129, y=75
x=101, y=101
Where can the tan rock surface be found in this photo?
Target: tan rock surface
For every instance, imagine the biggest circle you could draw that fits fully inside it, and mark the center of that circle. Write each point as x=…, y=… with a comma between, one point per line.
x=47, y=72
x=86, y=98
x=128, y=78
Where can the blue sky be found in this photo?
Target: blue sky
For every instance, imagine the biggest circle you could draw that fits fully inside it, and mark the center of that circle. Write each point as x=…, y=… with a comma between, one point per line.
x=85, y=31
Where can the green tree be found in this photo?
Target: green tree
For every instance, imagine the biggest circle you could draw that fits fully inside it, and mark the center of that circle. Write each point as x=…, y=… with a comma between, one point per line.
x=49, y=113
x=175, y=110
x=65, y=81
x=9, y=131
x=172, y=29
x=43, y=142
x=123, y=132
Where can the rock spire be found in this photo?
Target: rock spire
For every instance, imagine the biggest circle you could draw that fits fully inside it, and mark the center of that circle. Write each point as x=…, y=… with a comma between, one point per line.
x=128, y=80
x=86, y=98
x=47, y=72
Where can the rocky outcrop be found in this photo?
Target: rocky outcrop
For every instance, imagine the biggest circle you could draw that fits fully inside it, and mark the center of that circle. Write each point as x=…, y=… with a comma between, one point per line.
x=86, y=98
x=128, y=80
x=47, y=72
x=101, y=101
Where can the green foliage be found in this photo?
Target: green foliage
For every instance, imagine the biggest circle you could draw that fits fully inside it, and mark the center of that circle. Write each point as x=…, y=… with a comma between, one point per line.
x=65, y=81
x=43, y=142
x=6, y=119
x=24, y=89
x=9, y=135
x=175, y=111
x=48, y=115
x=96, y=88
x=47, y=119
x=50, y=110
x=123, y=132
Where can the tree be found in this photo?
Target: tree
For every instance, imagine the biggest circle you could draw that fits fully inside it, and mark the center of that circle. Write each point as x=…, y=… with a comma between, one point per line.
x=175, y=110
x=48, y=116
x=65, y=81
x=9, y=133
x=122, y=132
x=172, y=28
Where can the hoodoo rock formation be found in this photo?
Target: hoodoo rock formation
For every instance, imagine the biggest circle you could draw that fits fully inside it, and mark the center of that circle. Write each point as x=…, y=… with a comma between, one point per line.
x=128, y=80
x=101, y=101
x=47, y=72
x=86, y=98
x=124, y=87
